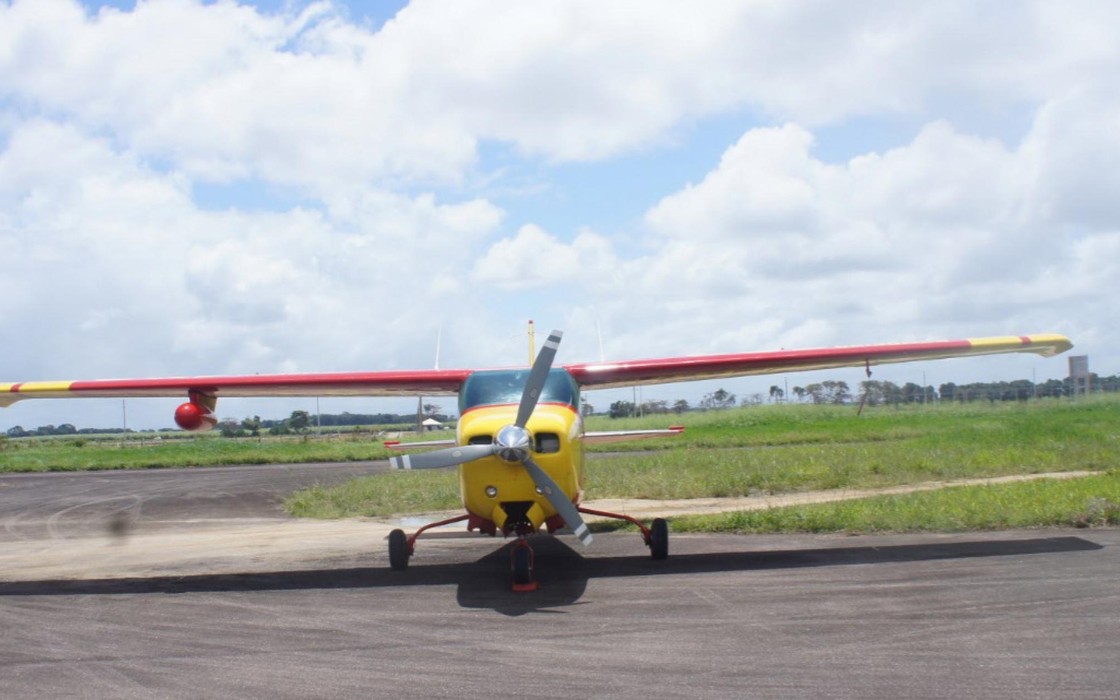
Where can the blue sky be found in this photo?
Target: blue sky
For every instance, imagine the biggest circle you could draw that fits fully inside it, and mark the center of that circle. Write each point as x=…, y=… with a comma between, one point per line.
x=218, y=187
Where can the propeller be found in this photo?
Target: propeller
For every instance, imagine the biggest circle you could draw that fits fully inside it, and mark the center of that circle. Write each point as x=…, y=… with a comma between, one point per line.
x=442, y=458
x=513, y=443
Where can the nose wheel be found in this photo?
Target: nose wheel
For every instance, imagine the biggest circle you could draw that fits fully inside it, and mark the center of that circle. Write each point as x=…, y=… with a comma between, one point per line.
x=521, y=564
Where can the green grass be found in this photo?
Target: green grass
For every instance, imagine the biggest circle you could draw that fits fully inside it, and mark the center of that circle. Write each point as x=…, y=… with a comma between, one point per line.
x=779, y=449
x=1079, y=502
x=784, y=449
x=746, y=451
x=395, y=493
x=79, y=453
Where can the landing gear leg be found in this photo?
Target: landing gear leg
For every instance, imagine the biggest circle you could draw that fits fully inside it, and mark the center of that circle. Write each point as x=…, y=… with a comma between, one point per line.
x=402, y=546
x=656, y=535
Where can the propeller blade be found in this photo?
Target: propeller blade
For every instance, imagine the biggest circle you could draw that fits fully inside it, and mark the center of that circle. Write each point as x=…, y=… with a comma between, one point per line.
x=442, y=458
x=537, y=377
x=559, y=501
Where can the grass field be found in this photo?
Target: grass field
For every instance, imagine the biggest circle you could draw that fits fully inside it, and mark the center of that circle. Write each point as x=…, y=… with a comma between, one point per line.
x=738, y=452
x=1083, y=502
x=81, y=453
x=786, y=449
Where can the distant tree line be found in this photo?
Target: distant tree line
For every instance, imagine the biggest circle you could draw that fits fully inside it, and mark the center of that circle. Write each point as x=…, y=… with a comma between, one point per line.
x=627, y=409
x=297, y=422
x=875, y=393
x=66, y=429
x=302, y=422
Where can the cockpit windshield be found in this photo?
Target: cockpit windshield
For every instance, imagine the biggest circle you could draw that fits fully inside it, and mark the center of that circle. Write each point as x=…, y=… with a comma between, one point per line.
x=496, y=387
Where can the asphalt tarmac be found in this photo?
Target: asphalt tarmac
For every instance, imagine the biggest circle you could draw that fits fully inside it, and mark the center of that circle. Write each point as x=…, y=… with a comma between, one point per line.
x=993, y=615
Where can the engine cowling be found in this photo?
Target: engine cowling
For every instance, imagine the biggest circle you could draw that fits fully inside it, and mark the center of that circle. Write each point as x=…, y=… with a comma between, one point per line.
x=195, y=417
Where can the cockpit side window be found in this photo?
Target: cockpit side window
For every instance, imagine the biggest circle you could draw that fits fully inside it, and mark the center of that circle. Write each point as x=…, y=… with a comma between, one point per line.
x=498, y=387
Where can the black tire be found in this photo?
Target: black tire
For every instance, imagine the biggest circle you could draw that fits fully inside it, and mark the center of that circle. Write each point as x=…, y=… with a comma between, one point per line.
x=659, y=539
x=522, y=565
x=398, y=550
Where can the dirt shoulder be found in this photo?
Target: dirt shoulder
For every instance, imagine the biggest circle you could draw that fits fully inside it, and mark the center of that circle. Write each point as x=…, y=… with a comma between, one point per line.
x=244, y=545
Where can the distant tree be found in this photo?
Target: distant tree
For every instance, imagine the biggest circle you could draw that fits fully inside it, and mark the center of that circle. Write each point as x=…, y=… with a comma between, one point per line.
x=839, y=391
x=874, y=392
x=718, y=399
x=252, y=426
x=870, y=392
x=432, y=410
x=799, y=392
x=622, y=409
x=680, y=406
x=829, y=392
x=230, y=428
x=912, y=393
x=1051, y=388
x=754, y=399
x=17, y=432
x=585, y=408
x=1022, y=389
x=300, y=421
x=776, y=394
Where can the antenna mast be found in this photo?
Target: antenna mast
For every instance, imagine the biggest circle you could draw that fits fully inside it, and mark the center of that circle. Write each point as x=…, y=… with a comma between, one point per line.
x=532, y=344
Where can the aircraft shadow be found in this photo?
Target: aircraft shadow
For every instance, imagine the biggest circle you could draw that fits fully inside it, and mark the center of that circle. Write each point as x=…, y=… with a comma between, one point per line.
x=563, y=572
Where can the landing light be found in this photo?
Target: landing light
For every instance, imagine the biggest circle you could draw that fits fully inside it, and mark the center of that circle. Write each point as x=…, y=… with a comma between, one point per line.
x=492, y=491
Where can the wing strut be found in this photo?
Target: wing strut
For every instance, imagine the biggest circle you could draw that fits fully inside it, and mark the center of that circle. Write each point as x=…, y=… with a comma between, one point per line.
x=866, y=388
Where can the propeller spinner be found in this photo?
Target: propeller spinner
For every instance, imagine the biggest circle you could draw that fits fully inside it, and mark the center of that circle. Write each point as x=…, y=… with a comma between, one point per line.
x=513, y=444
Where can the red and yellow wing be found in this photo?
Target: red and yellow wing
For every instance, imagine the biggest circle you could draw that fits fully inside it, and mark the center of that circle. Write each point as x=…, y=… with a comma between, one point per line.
x=389, y=383
x=605, y=375
x=597, y=375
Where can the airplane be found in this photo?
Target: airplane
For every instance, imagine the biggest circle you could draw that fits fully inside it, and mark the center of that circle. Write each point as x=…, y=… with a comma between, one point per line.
x=520, y=436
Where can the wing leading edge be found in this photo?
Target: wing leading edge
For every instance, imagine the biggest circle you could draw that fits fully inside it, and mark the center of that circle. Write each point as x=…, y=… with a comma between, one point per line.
x=390, y=383
x=601, y=375
x=597, y=375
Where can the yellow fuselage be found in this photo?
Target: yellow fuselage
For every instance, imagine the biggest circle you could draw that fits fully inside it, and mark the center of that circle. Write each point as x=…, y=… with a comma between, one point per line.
x=490, y=485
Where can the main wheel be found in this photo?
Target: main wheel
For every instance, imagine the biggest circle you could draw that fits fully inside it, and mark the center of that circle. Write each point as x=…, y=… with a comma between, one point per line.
x=398, y=550
x=659, y=539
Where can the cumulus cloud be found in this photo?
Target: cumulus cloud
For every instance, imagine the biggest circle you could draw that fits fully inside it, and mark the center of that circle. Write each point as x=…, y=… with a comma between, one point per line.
x=114, y=253
x=949, y=233
x=996, y=212
x=535, y=258
x=309, y=98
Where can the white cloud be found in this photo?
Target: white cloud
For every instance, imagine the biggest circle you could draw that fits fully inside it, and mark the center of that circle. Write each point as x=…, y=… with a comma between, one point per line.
x=535, y=258
x=226, y=92
x=979, y=220
x=948, y=234
x=113, y=254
